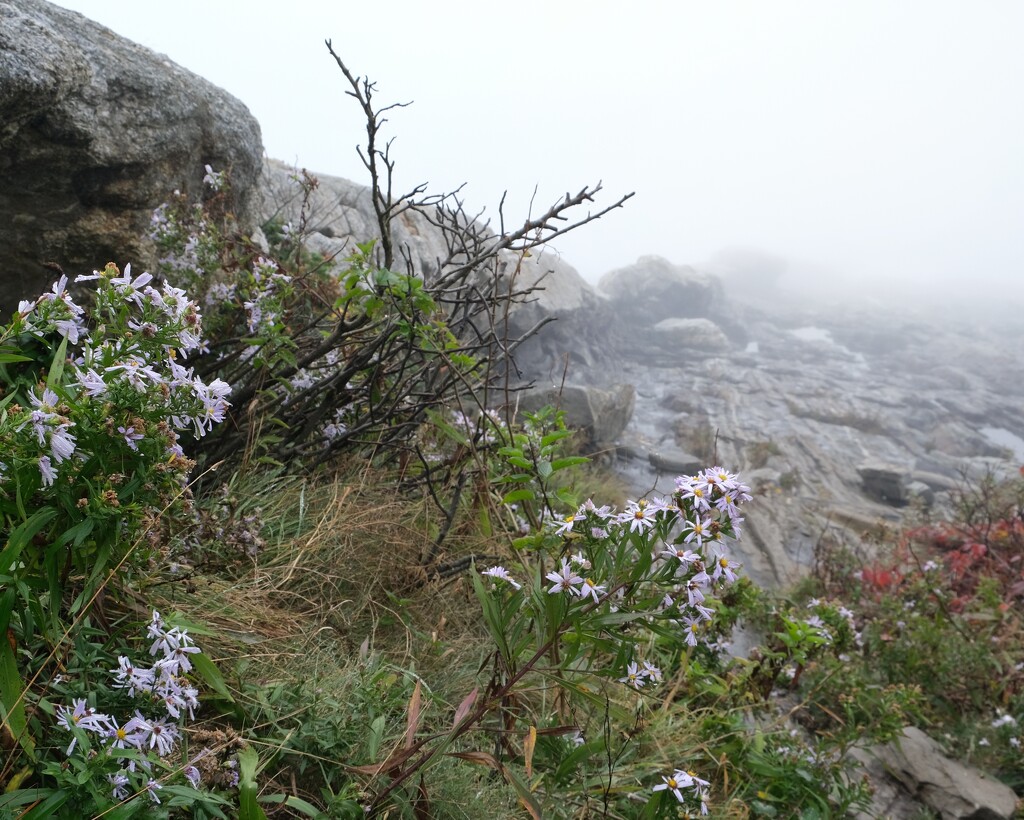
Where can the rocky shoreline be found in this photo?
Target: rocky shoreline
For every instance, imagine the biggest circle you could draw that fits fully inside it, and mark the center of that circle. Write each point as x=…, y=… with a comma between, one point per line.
x=843, y=420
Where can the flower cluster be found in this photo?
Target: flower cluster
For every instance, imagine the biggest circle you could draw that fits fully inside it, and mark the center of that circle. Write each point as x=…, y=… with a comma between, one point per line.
x=688, y=533
x=141, y=741
x=189, y=244
x=502, y=574
x=127, y=378
x=638, y=676
x=215, y=179
x=262, y=301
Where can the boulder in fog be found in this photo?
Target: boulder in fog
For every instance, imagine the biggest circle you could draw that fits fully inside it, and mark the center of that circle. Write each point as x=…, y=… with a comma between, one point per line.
x=653, y=289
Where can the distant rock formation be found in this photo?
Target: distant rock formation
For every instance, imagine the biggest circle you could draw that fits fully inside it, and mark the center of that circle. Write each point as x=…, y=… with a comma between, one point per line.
x=96, y=132
x=653, y=289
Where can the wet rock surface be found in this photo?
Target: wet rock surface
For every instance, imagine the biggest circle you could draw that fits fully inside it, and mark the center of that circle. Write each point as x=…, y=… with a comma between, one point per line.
x=843, y=421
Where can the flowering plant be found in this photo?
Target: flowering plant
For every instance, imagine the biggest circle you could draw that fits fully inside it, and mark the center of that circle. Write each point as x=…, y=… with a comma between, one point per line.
x=95, y=402
x=112, y=759
x=603, y=606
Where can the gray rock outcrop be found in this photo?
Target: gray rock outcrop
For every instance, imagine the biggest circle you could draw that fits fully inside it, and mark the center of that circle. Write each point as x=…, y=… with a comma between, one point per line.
x=801, y=408
x=653, y=289
x=600, y=414
x=95, y=133
x=339, y=214
x=913, y=770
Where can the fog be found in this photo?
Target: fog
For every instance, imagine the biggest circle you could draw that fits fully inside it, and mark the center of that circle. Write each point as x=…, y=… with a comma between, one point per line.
x=871, y=148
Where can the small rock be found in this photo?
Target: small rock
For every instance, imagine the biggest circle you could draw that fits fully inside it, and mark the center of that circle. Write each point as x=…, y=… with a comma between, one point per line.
x=698, y=333
x=884, y=482
x=601, y=414
x=674, y=462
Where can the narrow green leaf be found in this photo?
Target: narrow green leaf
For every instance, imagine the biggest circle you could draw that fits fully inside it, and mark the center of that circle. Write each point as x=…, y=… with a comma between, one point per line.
x=45, y=810
x=11, y=687
x=492, y=617
x=293, y=802
x=22, y=797
x=211, y=675
x=21, y=537
x=57, y=365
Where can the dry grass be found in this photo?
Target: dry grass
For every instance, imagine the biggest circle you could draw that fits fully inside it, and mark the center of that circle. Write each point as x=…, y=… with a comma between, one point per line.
x=345, y=566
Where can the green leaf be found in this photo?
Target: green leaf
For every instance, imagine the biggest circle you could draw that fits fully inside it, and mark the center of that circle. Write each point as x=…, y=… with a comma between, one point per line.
x=57, y=366
x=522, y=494
x=21, y=537
x=79, y=532
x=551, y=438
x=248, y=808
x=491, y=613
x=293, y=802
x=22, y=797
x=376, y=734
x=11, y=689
x=544, y=469
x=45, y=810
x=211, y=675
x=578, y=756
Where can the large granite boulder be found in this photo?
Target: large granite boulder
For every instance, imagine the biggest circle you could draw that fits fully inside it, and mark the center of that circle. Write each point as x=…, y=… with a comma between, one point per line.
x=96, y=132
x=580, y=333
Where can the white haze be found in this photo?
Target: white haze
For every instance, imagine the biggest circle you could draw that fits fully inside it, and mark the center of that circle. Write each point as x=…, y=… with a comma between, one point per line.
x=876, y=147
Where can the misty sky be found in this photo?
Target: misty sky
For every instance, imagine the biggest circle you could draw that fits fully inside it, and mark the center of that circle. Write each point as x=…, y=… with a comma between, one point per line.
x=868, y=143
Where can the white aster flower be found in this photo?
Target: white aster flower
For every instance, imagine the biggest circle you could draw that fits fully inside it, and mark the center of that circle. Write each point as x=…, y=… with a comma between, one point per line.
x=592, y=590
x=634, y=677
x=502, y=574
x=564, y=580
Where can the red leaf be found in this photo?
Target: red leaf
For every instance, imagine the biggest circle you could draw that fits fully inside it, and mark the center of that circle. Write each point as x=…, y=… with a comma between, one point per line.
x=465, y=706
